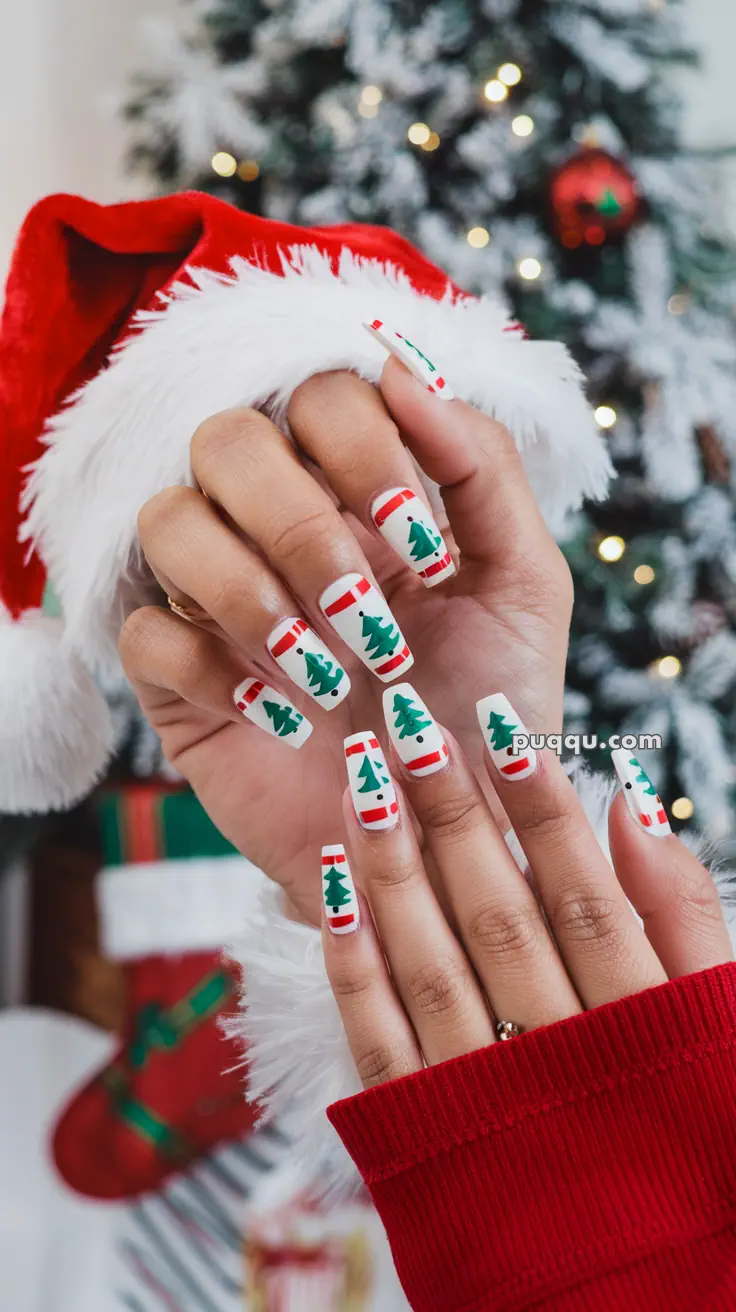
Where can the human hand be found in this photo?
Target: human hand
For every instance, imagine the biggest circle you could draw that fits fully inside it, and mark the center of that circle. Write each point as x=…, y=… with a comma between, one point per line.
x=262, y=541
x=424, y=971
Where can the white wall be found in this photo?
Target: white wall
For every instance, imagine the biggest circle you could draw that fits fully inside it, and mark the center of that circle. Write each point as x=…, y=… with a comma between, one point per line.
x=61, y=62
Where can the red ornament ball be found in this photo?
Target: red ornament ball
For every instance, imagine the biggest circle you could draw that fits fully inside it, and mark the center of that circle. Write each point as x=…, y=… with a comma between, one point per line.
x=594, y=198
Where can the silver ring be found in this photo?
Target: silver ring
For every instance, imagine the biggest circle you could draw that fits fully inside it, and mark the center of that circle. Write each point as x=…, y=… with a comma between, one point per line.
x=507, y=1029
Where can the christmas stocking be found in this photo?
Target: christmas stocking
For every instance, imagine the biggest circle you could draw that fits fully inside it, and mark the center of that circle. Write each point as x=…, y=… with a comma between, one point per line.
x=176, y=1086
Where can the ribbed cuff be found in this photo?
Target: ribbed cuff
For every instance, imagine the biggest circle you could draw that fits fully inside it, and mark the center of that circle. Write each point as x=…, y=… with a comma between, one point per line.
x=530, y=1166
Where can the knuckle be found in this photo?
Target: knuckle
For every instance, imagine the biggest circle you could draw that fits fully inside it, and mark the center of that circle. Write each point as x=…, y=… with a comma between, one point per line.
x=453, y=816
x=547, y=819
x=393, y=873
x=160, y=516
x=136, y=638
x=216, y=436
x=499, y=933
x=289, y=541
x=695, y=896
x=346, y=984
x=437, y=988
x=379, y=1064
x=589, y=918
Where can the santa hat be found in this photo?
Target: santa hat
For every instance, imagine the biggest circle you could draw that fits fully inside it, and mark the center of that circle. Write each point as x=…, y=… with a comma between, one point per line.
x=127, y=325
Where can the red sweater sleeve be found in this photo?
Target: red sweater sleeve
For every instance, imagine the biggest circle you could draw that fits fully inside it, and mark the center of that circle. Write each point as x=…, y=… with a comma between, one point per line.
x=591, y=1164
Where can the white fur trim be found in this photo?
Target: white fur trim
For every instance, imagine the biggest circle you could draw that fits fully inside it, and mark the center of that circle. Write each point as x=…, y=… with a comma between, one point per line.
x=166, y=907
x=55, y=730
x=251, y=339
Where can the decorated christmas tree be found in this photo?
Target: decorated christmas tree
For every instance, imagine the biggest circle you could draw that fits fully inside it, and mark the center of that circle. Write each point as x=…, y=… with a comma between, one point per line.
x=422, y=542
x=408, y=718
x=382, y=637
x=532, y=148
x=323, y=675
x=502, y=733
x=371, y=780
x=336, y=895
x=283, y=719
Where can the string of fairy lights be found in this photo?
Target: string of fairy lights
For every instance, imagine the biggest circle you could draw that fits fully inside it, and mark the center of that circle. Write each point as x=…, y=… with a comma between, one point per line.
x=496, y=92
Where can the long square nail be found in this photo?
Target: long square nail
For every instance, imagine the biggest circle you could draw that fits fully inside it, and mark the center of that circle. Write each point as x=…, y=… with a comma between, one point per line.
x=311, y=665
x=371, y=787
x=342, y=910
x=362, y=618
x=414, y=732
x=500, y=725
x=642, y=798
x=272, y=712
x=408, y=525
x=410, y=355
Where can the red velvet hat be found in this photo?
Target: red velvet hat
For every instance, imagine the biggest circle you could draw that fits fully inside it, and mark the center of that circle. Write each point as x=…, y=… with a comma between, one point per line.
x=126, y=325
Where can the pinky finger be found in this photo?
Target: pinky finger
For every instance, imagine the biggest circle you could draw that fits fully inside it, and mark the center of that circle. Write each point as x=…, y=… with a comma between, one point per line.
x=380, y=1037
x=672, y=892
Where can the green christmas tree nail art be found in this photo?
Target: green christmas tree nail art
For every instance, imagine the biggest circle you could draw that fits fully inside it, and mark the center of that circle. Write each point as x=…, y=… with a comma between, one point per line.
x=284, y=719
x=501, y=726
x=323, y=675
x=371, y=779
x=271, y=711
x=414, y=733
x=641, y=796
x=408, y=525
x=308, y=662
x=502, y=733
x=371, y=787
x=381, y=638
x=341, y=904
x=409, y=718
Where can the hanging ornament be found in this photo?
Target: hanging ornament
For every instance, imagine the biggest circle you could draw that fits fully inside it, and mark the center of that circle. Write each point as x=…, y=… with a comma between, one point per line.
x=594, y=198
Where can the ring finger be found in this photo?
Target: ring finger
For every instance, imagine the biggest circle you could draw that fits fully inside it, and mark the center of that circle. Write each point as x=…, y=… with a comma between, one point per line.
x=192, y=552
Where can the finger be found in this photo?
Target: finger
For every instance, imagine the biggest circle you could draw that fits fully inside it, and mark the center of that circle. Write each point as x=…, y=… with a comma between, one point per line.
x=431, y=972
x=379, y=1034
x=342, y=424
x=163, y=654
x=247, y=466
x=499, y=921
x=672, y=892
x=490, y=505
x=606, y=953
x=191, y=550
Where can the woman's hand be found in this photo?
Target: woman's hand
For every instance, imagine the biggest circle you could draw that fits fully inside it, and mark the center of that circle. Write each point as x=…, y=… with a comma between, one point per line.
x=270, y=532
x=429, y=969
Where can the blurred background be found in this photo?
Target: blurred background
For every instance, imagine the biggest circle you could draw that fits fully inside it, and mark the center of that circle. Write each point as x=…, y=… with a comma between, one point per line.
x=567, y=155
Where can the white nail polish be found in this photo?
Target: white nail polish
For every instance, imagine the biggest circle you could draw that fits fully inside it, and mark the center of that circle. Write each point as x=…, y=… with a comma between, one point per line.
x=500, y=724
x=308, y=662
x=361, y=617
x=371, y=787
x=641, y=796
x=272, y=712
x=413, y=731
x=406, y=523
x=416, y=362
x=341, y=903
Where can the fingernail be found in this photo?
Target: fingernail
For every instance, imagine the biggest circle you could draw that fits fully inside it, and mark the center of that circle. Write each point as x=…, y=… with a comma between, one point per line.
x=413, y=731
x=341, y=903
x=270, y=711
x=308, y=662
x=641, y=796
x=371, y=787
x=406, y=523
x=500, y=725
x=360, y=616
x=416, y=362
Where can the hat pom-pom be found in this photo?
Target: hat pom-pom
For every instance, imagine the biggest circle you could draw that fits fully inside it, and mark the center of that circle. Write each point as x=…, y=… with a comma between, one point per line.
x=55, y=729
